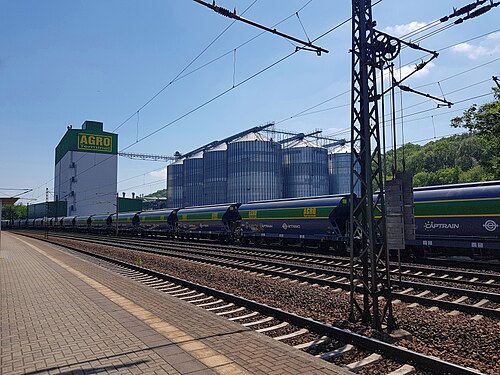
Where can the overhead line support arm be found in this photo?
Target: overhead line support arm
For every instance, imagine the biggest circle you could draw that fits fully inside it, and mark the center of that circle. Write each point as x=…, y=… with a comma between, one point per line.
x=227, y=13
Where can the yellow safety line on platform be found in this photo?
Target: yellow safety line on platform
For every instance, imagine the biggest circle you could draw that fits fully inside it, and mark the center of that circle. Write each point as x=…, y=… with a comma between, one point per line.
x=211, y=358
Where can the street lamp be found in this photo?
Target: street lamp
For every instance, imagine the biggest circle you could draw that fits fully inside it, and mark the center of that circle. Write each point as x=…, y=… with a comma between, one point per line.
x=117, y=210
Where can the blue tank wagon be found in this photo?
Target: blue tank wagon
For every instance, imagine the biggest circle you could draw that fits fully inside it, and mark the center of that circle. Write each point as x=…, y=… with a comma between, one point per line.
x=464, y=217
x=320, y=221
x=83, y=223
x=127, y=222
x=100, y=223
x=216, y=222
x=158, y=222
x=68, y=223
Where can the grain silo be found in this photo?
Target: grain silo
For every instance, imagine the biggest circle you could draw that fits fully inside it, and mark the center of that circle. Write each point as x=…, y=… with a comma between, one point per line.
x=192, y=194
x=339, y=167
x=254, y=169
x=175, y=182
x=305, y=170
x=215, y=174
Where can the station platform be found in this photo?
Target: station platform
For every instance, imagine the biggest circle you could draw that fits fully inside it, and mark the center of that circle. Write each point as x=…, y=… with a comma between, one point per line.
x=62, y=314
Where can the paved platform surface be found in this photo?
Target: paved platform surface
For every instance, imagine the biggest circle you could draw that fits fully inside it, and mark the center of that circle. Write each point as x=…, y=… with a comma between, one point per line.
x=62, y=314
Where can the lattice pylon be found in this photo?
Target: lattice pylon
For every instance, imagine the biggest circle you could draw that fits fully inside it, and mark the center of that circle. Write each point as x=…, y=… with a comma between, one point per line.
x=369, y=255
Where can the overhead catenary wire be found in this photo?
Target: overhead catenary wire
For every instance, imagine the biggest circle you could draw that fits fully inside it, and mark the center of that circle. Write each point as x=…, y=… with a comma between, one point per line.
x=454, y=45
x=239, y=46
x=339, y=25
x=224, y=92
x=307, y=112
x=432, y=33
x=211, y=100
x=179, y=76
x=218, y=95
x=304, y=112
x=321, y=36
x=303, y=28
x=457, y=12
x=233, y=15
x=469, y=9
x=152, y=183
x=183, y=69
x=458, y=74
x=138, y=140
x=420, y=29
x=407, y=115
x=150, y=100
x=451, y=92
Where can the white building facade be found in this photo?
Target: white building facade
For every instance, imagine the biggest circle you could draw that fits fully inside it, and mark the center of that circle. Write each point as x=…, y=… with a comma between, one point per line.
x=86, y=167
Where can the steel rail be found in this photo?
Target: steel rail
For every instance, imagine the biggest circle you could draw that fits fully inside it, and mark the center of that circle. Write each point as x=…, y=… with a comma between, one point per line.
x=316, y=259
x=493, y=297
x=390, y=351
x=445, y=305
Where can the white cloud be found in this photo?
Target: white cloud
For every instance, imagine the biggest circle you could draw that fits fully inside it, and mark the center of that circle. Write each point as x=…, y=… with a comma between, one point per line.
x=162, y=173
x=487, y=47
x=408, y=69
x=494, y=36
x=399, y=30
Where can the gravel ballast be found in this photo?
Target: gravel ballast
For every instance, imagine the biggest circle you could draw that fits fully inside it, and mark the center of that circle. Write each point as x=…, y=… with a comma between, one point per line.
x=457, y=339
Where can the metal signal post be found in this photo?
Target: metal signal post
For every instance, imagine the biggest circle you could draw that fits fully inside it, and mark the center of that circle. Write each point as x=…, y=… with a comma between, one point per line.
x=45, y=218
x=369, y=254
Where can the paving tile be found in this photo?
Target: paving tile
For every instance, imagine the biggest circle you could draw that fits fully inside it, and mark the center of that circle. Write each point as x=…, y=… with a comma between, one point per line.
x=75, y=316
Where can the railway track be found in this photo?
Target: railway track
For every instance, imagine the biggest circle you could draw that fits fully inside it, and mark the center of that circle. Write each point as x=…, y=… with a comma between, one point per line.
x=487, y=281
x=452, y=299
x=351, y=350
x=479, y=279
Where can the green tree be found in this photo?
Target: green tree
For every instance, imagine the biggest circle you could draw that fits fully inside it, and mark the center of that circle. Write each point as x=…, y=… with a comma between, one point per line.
x=484, y=121
x=456, y=159
x=158, y=194
x=476, y=173
x=421, y=179
x=470, y=153
x=13, y=211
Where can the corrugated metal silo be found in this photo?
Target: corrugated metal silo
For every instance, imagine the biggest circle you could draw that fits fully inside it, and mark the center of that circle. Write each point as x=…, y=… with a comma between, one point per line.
x=193, y=181
x=339, y=167
x=305, y=169
x=175, y=182
x=215, y=175
x=254, y=169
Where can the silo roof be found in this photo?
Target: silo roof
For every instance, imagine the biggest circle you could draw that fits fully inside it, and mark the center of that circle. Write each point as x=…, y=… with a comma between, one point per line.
x=198, y=155
x=342, y=149
x=221, y=147
x=303, y=143
x=251, y=137
x=177, y=162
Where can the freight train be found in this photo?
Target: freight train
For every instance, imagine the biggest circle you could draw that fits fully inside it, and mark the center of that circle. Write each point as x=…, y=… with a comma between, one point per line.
x=459, y=219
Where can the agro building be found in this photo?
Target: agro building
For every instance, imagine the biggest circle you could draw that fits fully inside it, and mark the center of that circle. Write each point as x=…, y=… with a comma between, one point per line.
x=86, y=170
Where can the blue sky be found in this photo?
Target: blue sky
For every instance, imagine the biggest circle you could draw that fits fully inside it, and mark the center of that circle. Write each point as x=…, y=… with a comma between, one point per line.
x=64, y=62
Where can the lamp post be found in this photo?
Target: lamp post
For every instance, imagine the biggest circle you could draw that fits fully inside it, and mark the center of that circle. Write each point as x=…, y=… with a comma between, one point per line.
x=117, y=210
x=54, y=223
x=45, y=218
